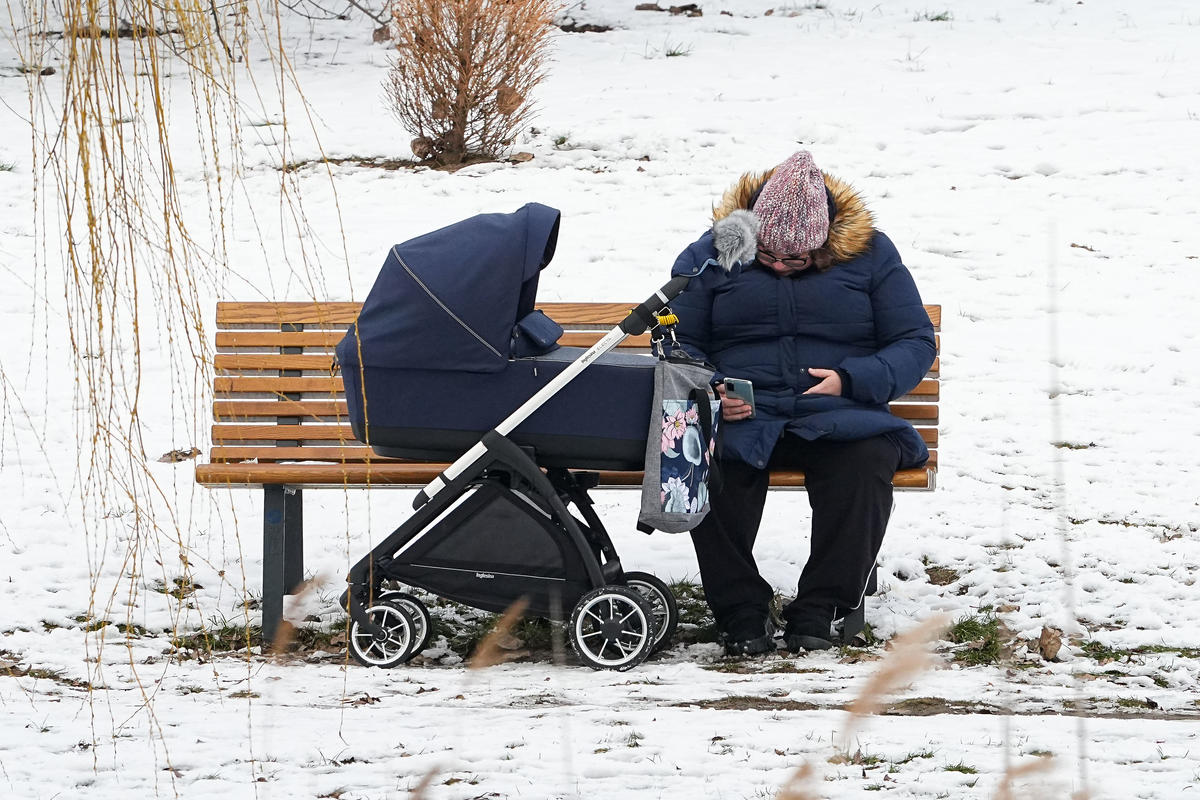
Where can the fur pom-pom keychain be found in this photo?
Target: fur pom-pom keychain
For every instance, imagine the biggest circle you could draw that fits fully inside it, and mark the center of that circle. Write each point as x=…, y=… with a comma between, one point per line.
x=736, y=238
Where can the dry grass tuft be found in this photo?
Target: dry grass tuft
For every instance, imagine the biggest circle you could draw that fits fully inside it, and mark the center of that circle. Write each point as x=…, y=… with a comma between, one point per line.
x=286, y=633
x=799, y=785
x=1005, y=790
x=909, y=657
x=491, y=651
x=418, y=791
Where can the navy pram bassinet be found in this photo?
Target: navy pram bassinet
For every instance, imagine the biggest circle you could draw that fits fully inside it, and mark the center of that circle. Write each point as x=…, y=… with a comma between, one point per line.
x=449, y=360
x=436, y=358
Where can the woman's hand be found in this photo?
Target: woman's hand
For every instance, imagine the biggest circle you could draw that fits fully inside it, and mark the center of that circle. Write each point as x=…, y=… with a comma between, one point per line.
x=831, y=382
x=733, y=409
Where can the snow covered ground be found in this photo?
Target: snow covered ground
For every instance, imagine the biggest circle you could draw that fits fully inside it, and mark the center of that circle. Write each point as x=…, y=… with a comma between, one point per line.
x=1032, y=161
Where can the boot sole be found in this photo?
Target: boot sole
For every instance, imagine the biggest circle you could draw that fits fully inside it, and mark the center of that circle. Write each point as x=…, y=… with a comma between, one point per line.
x=796, y=643
x=750, y=647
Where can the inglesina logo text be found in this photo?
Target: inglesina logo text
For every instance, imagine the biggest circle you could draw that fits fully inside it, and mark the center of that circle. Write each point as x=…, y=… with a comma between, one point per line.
x=484, y=575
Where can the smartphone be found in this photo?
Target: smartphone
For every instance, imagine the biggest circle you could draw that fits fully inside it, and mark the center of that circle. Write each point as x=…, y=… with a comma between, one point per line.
x=741, y=389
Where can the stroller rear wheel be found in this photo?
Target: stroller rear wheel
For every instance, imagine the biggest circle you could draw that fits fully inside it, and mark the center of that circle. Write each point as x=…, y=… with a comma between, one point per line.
x=422, y=623
x=391, y=649
x=612, y=627
x=662, y=603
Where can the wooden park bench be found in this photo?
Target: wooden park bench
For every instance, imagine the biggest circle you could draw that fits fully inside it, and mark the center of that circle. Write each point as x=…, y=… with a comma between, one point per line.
x=280, y=420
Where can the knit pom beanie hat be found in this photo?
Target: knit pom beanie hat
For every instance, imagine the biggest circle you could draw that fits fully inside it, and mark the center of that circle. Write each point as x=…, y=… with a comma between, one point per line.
x=792, y=209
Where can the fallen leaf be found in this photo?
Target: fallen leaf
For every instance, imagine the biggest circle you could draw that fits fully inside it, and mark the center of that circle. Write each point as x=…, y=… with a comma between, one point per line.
x=175, y=456
x=1049, y=643
x=858, y=658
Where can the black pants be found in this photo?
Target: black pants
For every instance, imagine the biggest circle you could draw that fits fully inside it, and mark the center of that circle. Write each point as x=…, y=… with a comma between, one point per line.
x=850, y=491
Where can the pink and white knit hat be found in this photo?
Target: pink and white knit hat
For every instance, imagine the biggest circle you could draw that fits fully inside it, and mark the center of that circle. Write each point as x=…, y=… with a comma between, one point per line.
x=792, y=209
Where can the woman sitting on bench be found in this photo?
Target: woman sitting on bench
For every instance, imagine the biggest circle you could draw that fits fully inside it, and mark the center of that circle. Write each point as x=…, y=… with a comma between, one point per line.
x=799, y=295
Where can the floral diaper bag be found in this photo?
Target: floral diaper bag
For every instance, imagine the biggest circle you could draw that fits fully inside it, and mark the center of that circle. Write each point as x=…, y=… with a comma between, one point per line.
x=683, y=426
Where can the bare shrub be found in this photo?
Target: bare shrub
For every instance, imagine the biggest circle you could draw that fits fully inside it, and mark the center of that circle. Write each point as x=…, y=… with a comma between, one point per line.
x=464, y=72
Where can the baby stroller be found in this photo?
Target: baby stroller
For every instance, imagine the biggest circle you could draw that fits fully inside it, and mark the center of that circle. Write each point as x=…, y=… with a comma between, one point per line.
x=449, y=361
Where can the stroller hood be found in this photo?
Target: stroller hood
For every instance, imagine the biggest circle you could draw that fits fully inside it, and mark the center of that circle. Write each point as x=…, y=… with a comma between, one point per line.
x=448, y=300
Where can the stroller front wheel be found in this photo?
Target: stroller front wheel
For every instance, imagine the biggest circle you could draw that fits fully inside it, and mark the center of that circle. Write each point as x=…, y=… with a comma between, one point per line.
x=391, y=649
x=612, y=627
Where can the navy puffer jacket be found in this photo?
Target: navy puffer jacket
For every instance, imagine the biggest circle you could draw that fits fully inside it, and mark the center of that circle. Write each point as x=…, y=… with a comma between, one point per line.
x=863, y=316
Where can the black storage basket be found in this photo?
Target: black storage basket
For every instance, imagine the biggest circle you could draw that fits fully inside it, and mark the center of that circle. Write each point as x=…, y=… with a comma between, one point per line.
x=492, y=547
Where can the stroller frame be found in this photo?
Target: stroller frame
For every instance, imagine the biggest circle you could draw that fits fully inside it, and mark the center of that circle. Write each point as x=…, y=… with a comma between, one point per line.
x=616, y=618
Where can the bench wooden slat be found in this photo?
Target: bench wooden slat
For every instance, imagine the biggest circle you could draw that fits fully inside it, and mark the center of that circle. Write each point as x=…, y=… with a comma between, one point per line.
x=226, y=385
x=345, y=313
x=319, y=474
x=927, y=390
x=240, y=409
x=417, y=475
x=348, y=452
x=283, y=433
x=587, y=313
x=327, y=339
x=343, y=433
x=234, y=362
x=589, y=338
x=309, y=313
x=906, y=478
x=925, y=412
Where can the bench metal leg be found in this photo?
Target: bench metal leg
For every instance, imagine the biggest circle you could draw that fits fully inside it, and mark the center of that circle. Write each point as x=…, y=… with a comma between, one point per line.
x=293, y=535
x=283, y=553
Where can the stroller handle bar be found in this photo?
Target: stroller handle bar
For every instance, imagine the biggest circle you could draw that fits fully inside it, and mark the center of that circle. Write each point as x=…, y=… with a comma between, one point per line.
x=640, y=320
x=643, y=317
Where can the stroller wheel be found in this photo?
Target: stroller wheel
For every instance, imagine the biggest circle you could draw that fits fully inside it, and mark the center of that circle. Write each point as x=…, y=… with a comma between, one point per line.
x=422, y=623
x=662, y=605
x=612, y=627
x=395, y=647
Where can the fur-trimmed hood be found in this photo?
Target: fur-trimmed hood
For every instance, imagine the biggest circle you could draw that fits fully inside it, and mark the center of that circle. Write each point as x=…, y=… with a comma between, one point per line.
x=735, y=227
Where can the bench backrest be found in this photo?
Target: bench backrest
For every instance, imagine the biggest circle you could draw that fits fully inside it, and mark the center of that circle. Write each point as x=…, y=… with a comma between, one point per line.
x=279, y=398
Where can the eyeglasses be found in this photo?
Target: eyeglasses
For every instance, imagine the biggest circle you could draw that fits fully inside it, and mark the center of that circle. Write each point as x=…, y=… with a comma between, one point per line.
x=769, y=259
